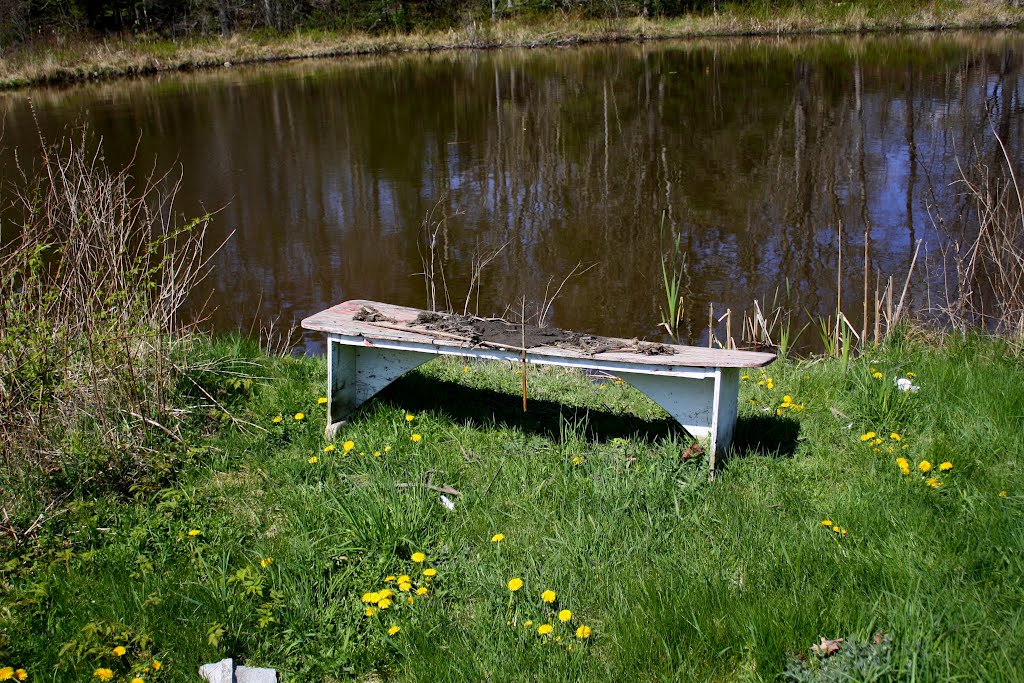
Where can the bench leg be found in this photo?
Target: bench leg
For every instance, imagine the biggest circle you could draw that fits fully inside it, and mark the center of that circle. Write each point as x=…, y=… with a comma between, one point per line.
x=705, y=407
x=357, y=373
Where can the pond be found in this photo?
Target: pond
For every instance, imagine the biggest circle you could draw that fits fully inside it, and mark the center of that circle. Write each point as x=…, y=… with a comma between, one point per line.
x=769, y=159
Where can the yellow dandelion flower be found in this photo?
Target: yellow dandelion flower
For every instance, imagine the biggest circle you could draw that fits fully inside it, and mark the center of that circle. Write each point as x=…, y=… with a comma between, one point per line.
x=787, y=399
x=528, y=623
x=565, y=615
x=826, y=522
x=386, y=593
x=842, y=531
x=277, y=420
x=515, y=584
x=119, y=651
x=405, y=587
x=410, y=418
x=745, y=377
x=548, y=596
x=770, y=383
x=194, y=532
x=404, y=578
x=418, y=557
x=422, y=590
x=376, y=454
x=416, y=438
x=313, y=460
x=430, y=572
x=21, y=674
x=371, y=597
x=465, y=368
x=156, y=665
x=328, y=448
x=577, y=460
x=877, y=375
x=778, y=411
x=895, y=437
x=583, y=632
x=911, y=375
x=946, y=466
x=835, y=529
x=387, y=448
x=903, y=465
x=867, y=436
x=934, y=483
x=545, y=629
x=410, y=600
x=393, y=630
x=924, y=466
x=322, y=400
x=348, y=445
x=103, y=674
x=137, y=680
x=6, y=673
x=497, y=538
x=299, y=417
x=385, y=603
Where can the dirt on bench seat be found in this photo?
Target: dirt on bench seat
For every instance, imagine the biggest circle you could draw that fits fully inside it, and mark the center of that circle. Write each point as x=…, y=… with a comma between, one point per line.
x=505, y=333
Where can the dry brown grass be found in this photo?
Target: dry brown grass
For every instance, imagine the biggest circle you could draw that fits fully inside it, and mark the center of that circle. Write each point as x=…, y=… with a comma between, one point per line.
x=59, y=60
x=988, y=290
x=93, y=270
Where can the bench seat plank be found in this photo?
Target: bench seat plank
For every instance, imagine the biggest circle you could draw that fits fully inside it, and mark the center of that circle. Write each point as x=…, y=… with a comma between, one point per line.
x=698, y=387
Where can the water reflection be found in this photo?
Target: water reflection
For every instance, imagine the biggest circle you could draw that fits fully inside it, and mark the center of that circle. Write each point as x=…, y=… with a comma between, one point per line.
x=755, y=150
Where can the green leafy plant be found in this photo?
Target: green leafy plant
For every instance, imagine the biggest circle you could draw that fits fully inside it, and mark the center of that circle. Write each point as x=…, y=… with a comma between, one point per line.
x=674, y=277
x=844, y=660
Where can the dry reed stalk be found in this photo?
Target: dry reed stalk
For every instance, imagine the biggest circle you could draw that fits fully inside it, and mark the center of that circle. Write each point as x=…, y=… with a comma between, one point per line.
x=867, y=243
x=711, y=324
x=839, y=280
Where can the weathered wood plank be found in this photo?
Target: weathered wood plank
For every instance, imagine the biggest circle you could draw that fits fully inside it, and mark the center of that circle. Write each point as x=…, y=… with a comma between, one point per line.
x=338, y=320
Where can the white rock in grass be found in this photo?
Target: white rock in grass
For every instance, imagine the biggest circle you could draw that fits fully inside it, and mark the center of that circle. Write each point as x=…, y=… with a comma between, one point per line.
x=904, y=384
x=218, y=672
x=225, y=671
x=255, y=674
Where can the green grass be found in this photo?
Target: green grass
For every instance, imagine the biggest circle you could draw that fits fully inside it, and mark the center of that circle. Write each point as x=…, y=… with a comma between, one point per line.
x=678, y=578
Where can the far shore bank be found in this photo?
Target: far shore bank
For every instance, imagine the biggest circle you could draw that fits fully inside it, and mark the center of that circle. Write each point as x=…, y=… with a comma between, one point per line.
x=59, y=59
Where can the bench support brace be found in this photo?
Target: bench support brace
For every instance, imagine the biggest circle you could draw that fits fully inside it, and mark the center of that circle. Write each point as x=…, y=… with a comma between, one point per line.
x=355, y=374
x=706, y=408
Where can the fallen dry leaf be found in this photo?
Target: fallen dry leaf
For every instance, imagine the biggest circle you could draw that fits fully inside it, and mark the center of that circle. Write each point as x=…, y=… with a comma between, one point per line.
x=826, y=648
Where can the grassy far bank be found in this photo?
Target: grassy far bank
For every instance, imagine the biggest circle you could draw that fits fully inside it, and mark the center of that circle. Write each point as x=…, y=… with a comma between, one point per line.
x=67, y=59
x=268, y=544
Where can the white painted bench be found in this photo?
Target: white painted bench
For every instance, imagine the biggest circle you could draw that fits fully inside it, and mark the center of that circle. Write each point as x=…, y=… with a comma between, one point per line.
x=698, y=387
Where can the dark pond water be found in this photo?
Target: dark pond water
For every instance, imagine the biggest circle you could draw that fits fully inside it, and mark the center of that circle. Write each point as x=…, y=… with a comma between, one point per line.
x=754, y=150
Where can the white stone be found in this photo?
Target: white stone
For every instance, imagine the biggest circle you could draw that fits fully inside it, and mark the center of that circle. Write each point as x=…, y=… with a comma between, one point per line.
x=219, y=672
x=225, y=671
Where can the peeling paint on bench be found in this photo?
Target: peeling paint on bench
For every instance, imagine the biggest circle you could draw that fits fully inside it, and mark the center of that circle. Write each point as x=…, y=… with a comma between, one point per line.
x=698, y=387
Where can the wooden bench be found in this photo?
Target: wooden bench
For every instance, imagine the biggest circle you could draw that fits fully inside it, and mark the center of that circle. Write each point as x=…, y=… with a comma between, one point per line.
x=698, y=387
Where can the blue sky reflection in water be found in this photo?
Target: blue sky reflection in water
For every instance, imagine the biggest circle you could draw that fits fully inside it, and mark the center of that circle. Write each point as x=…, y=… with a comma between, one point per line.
x=756, y=149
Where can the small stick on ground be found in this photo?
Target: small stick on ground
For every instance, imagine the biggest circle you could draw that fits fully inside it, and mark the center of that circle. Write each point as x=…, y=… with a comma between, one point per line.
x=440, y=489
